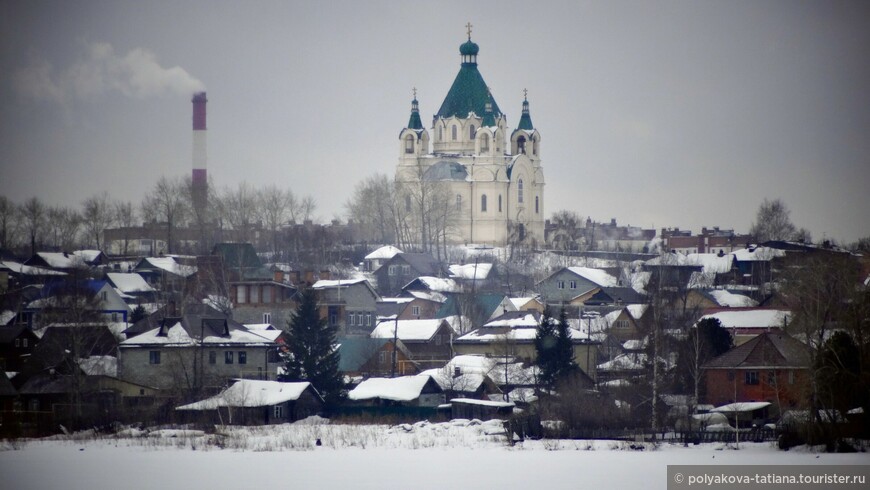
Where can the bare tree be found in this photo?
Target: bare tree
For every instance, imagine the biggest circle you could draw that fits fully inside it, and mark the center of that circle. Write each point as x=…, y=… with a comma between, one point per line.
x=96, y=217
x=239, y=207
x=8, y=222
x=307, y=207
x=124, y=217
x=568, y=231
x=202, y=218
x=166, y=204
x=33, y=213
x=772, y=222
x=275, y=208
x=373, y=207
x=62, y=226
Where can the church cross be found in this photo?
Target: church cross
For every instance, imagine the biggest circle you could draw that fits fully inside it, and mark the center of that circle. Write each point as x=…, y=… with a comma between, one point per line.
x=415, y=93
x=525, y=94
x=468, y=27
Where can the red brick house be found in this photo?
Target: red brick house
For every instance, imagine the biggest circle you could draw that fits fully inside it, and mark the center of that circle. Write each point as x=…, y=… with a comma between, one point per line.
x=771, y=367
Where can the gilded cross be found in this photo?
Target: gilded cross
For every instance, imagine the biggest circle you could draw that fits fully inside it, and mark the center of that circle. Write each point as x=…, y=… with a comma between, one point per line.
x=525, y=94
x=468, y=27
x=415, y=93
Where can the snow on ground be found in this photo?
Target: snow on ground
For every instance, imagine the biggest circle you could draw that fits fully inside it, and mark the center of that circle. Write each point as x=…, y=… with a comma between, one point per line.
x=456, y=454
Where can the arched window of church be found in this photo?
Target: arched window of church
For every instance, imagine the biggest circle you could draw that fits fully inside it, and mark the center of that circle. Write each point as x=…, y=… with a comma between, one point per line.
x=471, y=132
x=454, y=133
x=499, y=203
x=409, y=143
x=440, y=133
x=536, y=204
x=534, y=147
x=483, y=203
x=458, y=202
x=407, y=203
x=484, y=142
x=521, y=144
x=520, y=191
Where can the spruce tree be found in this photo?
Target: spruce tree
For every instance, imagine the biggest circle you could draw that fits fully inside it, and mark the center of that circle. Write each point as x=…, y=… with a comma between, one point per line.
x=311, y=354
x=554, y=348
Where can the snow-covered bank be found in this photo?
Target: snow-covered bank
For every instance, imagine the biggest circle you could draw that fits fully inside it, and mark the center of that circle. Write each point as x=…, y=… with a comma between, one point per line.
x=419, y=456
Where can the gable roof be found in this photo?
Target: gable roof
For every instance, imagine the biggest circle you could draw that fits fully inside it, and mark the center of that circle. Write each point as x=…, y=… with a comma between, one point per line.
x=435, y=284
x=195, y=327
x=167, y=264
x=474, y=271
x=383, y=253
x=409, y=330
x=770, y=349
x=355, y=352
x=129, y=282
x=402, y=389
x=423, y=263
x=597, y=276
x=253, y=393
x=749, y=317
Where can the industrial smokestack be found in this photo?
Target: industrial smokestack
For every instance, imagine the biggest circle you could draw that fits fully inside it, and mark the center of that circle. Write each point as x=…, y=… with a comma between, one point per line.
x=200, y=155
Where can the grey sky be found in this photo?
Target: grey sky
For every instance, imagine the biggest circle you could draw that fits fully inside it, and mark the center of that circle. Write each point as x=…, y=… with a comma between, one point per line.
x=655, y=113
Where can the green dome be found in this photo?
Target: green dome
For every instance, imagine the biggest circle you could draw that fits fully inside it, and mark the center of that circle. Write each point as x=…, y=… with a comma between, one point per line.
x=469, y=48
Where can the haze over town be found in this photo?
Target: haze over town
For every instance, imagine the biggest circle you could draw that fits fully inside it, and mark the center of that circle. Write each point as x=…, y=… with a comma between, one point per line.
x=657, y=114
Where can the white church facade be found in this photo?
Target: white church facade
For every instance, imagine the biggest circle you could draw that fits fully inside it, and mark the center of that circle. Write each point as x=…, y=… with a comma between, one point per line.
x=493, y=173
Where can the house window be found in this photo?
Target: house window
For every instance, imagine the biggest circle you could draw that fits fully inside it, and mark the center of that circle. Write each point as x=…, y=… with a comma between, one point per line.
x=212, y=357
x=499, y=203
x=114, y=317
x=415, y=310
x=393, y=270
x=267, y=317
x=17, y=342
x=255, y=294
x=351, y=320
x=368, y=319
x=333, y=315
x=572, y=284
x=103, y=295
x=33, y=405
x=483, y=203
x=23, y=342
x=750, y=377
x=359, y=319
x=771, y=378
x=241, y=294
x=406, y=270
x=536, y=205
x=154, y=357
x=561, y=284
x=453, y=133
x=383, y=357
x=278, y=411
x=791, y=377
x=228, y=357
x=471, y=132
x=520, y=191
x=243, y=357
x=409, y=143
x=621, y=323
x=458, y=202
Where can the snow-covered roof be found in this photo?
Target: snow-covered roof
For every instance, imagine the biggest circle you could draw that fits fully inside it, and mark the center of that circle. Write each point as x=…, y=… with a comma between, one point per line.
x=429, y=296
x=99, y=365
x=484, y=403
x=6, y=316
x=757, y=254
x=528, y=319
x=384, y=253
x=408, y=330
x=439, y=285
x=251, y=393
x=725, y=298
x=485, y=335
x=87, y=255
x=624, y=362
x=636, y=311
x=740, y=407
x=129, y=282
x=635, y=344
x=750, y=318
x=520, y=302
x=29, y=270
x=176, y=335
x=60, y=260
x=170, y=265
x=598, y=276
x=403, y=389
x=470, y=271
x=711, y=263
x=335, y=283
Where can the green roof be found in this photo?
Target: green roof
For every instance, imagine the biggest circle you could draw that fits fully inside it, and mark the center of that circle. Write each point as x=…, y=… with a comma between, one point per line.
x=415, y=122
x=526, y=119
x=469, y=93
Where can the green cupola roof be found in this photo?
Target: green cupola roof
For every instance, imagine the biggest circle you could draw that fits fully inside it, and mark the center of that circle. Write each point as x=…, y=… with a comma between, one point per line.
x=414, y=122
x=469, y=92
x=526, y=119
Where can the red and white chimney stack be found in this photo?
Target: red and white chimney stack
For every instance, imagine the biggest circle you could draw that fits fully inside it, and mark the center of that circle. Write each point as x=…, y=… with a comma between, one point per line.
x=200, y=155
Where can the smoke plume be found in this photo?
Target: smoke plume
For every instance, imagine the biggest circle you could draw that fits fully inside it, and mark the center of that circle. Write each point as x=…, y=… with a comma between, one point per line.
x=101, y=70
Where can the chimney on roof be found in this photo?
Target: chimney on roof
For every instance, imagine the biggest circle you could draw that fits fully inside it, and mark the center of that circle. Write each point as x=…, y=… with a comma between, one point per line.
x=279, y=276
x=324, y=275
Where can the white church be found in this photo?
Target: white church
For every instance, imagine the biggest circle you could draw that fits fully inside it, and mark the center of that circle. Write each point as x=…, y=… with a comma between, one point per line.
x=493, y=173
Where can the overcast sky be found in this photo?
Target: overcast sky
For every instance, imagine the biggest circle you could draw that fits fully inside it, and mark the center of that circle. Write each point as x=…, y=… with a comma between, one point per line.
x=657, y=114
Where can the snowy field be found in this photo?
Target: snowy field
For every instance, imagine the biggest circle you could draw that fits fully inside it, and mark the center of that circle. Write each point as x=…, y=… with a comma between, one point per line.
x=452, y=455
